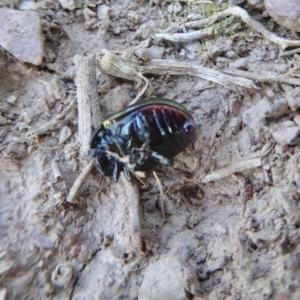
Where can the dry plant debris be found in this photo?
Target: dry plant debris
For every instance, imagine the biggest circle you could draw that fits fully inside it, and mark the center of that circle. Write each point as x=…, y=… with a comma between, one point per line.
x=237, y=11
x=129, y=69
x=88, y=106
x=234, y=236
x=236, y=168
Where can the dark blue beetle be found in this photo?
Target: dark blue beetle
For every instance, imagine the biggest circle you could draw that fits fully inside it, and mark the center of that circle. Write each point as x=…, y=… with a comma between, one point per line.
x=141, y=136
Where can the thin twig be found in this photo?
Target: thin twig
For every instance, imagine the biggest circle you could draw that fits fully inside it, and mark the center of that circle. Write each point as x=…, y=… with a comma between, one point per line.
x=264, y=77
x=105, y=19
x=185, y=37
x=79, y=181
x=289, y=53
x=131, y=195
x=235, y=168
x=161, y=199
x=171, y=67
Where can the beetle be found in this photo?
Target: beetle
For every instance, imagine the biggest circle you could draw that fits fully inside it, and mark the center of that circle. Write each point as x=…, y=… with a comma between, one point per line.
x=141, y=136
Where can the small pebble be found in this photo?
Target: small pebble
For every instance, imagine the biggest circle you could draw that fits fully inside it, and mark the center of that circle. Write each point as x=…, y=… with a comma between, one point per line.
x=90, y=210
x=256, y=4
x=12, y=99
x=65, y=133
x=68, y=4
x=287, y=136
x=3, y=120
x=177, y=8
x=285, y=13
x=75, y=250
x=297, y=120
x=3, y=294
x=270, y=93
x=281, y=297
x=235, y=106
x=277, y=109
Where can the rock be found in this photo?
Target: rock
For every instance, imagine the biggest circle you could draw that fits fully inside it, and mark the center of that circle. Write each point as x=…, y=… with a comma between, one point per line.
x=285, y=13
x=234, y=126
x=286, y=87
x=163, y=280
x=297, y=120
x=281, y=297
x=231, y=54
x=3, y=294
x=175, y=8
x=293, y=98
x=183, y=245
x=282, y=125
x=191, y=282
x=239, y=63
x=217, y=264
x=102, y=12
x=12, y=99
x=236, y=2
x=154, y=52
x=235, y=106
x=3, y=120
x=192, y=49
x=287, y=136
x=145, y=29
x=255, y=116
x=62, y=275
x=65, y=133
x=68, y=4
x=278, y=109
x=214, y=49
x=256, y=4
x=57, y=88
x=20, y=34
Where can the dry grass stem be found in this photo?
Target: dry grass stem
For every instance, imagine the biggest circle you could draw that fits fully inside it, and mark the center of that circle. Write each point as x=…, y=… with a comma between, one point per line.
x=129, y=69
x=264, y=77
x=235, y=168
x=264, y=151
x=170, y=67
x=87, y=96
x=241, y=13
x=131, y=195
x=185, y=37
x=79, y=181
x=161, y=198
x=290, y=53
x=117, y=66
x=105, y=19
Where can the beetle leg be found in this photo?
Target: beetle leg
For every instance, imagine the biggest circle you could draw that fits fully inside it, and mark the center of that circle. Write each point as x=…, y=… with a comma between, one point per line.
x=159, y=123
x=161, y=159
x=140, y=155
x=97, y=165
x=95, y=154
x=116, y=172
x=141, y=127
x=127, y=173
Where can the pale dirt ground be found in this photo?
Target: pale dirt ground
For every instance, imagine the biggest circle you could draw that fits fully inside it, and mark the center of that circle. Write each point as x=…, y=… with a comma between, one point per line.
x=235, y=238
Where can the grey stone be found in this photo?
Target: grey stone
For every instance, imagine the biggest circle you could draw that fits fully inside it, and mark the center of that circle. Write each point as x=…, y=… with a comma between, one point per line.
x=163, y=280
x=285, y=13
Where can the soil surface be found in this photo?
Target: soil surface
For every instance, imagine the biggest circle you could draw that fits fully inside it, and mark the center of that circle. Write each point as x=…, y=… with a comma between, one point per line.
x=236, y=237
